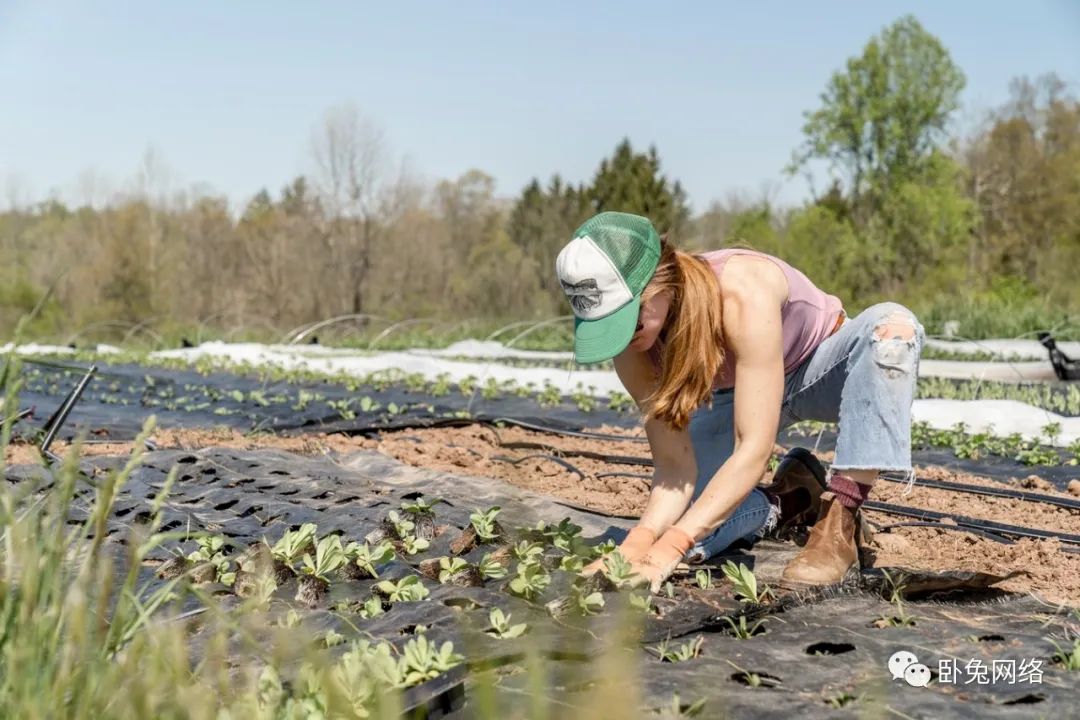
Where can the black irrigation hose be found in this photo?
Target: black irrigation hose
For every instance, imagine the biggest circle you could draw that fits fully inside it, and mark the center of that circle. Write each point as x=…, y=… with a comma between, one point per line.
x=636, y=476
x=996, y=492
x=972, y=523
x=567, y=433
x=615, y=459
x=540, y=456
x=946, y=526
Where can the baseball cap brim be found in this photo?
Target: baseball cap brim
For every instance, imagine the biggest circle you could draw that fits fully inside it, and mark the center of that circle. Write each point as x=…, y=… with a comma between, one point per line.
x=604, y=338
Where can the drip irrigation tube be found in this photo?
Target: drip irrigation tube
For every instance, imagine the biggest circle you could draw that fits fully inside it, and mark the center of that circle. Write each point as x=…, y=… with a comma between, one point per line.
x=995, y=492
x=567, y=433
x=974, y=523
x=540, y=456
x=946, y=526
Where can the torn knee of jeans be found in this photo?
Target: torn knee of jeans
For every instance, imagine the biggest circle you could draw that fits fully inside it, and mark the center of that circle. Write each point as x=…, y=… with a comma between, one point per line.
x=894, y=344
x=896, y=325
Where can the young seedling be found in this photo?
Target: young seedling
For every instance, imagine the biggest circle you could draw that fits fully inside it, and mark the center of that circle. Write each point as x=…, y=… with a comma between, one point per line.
x=571, y=563
x=364, y=559
x=838, y=700
x=457, y=571
x=681, y=653
x=525, y=551
x=482, y=529
x=485, y=526
x=500, y=626
x=641, y=602
x=605, y=548
x=752, y=679
x=398, y=526
x=329, y=556
x=407, y=589
x=704, y=578
x=287, y=551
x=588, y=603
x=618, y=569
x=414, y=545
x=490, y=568
x=746, y=586
x=421, y=660
x=422, y=514
x=530, y=582
x=565, y=536
x=210, y=561
x=901, y=618
x=740, y=629
x=677, y=710
x=420, y=506
x=372, y=606
x=1068, y=658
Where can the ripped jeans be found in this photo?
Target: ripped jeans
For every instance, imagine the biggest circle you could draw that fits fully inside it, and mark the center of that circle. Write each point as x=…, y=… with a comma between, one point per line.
x=855, y=377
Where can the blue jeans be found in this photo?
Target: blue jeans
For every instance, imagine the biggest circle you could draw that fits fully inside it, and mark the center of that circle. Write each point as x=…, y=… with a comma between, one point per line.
x=863, y=382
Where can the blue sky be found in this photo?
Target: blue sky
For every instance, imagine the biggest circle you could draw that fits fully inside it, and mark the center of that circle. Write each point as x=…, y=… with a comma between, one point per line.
x=227, y=93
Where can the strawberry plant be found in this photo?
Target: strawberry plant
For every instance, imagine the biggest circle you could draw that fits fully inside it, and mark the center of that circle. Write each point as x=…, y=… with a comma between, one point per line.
x=484, y=524
x=329, y=556
x=526, y=551
x=530, y=582
x=745, y=583
x=448, y=567
x=366, y=558
x=491, y=568
x=407, y=589
x=500, y=626
x=420, y=506
x=681, y=653
x=414, y=545
x=421, y=660
x=293, y=544
x=618, y=569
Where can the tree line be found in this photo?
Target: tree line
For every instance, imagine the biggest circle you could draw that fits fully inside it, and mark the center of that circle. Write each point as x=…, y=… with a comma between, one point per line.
x=983, y=227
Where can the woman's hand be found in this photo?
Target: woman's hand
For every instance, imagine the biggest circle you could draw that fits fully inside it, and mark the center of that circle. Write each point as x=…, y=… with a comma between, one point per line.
x=662, y=559
x=634, y=547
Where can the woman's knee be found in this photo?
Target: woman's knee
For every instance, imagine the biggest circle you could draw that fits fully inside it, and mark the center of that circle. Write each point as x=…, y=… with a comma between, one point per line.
x=896, y=337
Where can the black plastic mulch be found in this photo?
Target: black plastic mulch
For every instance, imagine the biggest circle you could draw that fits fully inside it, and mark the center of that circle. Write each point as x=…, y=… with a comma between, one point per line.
x=818, y=651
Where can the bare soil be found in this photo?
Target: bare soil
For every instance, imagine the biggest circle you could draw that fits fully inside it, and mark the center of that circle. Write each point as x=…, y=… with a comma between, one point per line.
x=1046, y=569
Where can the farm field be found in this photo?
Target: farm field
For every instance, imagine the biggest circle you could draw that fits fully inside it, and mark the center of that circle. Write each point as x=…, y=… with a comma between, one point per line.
x=325, y=536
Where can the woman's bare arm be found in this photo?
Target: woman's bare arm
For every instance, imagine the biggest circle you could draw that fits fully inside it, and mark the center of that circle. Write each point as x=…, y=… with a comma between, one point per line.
x=752, y=326
x=675, y=470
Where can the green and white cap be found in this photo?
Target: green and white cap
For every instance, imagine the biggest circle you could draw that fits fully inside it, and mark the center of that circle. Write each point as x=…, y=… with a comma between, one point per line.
x=603, y=271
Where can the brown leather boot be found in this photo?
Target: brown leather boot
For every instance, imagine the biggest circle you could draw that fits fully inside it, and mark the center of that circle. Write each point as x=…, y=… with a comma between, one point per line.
x=797, y=486
x=831, y=550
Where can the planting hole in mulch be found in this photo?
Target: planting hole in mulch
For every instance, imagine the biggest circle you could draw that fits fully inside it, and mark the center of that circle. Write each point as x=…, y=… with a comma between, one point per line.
x=462, y=603
x=828, y=648
x=1029, y=699
x=756, y=679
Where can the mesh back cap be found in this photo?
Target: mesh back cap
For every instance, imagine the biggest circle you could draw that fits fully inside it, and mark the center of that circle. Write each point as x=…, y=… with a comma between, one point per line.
x=603, y=271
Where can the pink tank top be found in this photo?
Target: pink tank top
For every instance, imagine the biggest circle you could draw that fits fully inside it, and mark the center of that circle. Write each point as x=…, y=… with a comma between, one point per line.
x=808, y=316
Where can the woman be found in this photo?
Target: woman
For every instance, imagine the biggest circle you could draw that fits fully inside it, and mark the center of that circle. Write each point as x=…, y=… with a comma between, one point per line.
x=681, y=329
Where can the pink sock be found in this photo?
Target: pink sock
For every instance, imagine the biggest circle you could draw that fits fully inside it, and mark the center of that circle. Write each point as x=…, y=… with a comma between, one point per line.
x=849, y=493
